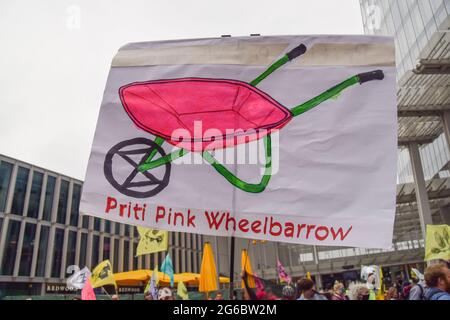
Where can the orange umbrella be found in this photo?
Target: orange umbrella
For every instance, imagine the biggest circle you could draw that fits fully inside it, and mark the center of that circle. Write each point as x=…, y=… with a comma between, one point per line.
x=247, y=266
x=132, y=278
x=208, y=273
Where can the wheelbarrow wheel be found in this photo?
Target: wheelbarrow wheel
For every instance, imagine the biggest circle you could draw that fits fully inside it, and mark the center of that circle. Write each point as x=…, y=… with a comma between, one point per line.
x=148, y=184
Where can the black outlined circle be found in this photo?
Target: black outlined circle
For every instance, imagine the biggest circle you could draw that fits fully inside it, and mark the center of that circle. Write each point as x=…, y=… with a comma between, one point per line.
x=126, y=187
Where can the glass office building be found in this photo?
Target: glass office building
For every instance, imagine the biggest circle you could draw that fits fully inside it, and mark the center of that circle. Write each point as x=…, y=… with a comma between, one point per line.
x=413, y=23
x=42, y=234
x=419, y=28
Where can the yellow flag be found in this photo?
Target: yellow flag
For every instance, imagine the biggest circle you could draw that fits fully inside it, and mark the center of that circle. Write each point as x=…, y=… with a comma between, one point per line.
x=103, y=275
x=151, y=240
x=380, y=294
x=182, y=291
x=437, y=244
x=308, y=275
x=155, y=275
x=247, y=266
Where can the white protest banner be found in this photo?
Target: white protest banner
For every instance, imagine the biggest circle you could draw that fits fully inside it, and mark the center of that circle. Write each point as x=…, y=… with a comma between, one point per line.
x=290, y=138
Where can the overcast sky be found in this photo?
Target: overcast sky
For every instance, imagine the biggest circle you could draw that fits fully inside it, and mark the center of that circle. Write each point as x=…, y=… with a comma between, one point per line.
x=55, y=58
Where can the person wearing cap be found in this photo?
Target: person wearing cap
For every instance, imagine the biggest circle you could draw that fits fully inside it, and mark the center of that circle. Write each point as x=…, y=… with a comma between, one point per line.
x=288, y=293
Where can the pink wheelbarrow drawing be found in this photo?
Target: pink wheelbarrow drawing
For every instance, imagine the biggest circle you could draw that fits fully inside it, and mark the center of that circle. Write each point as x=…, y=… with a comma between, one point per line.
x=231, y=112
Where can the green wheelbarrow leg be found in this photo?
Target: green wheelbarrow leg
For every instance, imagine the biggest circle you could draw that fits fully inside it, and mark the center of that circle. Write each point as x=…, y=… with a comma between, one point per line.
x=159, y=141
x=148, y=165
x=235, y=181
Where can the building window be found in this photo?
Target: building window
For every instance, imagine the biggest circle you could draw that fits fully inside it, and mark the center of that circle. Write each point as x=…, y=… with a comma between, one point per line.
x=10, y=252
x=107, y=226
x=35, y=195
x=192, y=261
x=20, y=191
x=74, y=211
x=48, y=203
x=71, y=248
x=127, y=230
x=57, y=253
x=95, y=250
x=83, y=248
x=97, y=224
x=1, y=223
x=117, y=228
x=116, y=255
x=5, y=177
x=135, y=258
x=174, y=259
x=152, y=261
x=27, y=249
x=42, y=251
x=62, y=204
x=160, y=259
x=126, y=260
x=106, y=248
x=86, y=222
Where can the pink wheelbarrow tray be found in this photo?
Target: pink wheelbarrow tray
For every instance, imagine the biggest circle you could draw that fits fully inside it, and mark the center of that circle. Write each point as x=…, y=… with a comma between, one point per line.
x=161, y=107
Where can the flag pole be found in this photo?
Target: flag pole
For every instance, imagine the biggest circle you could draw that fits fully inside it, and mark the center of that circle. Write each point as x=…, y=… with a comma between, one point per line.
x=110, y=298
x=278, y=259
x=216, y=249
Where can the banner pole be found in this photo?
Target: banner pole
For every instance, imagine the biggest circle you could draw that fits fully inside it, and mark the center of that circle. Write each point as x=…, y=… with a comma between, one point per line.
x=216, y=249
x=231, y=266
x=278, y=259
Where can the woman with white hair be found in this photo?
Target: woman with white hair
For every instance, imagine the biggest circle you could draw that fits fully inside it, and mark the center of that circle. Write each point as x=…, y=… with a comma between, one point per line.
x=359, y=291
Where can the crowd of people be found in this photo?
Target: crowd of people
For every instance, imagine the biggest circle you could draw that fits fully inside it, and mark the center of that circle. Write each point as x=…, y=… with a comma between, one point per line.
x=434, y=286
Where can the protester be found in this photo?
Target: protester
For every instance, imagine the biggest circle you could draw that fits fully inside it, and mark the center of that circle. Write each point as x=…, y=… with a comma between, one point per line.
x=437, y=279
x=288, y=293
x=327, y=294
x=417, y=291
x=306, y=290
x=338, y=292
x=359, y=291
x=392, y=294
x=115, y=297
x=234, y=295
x=269, y=295
x=406, y=290
x=363, y=293
x=219, y=296
x=399, y=284
x=165, y=294
x=148, y=296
